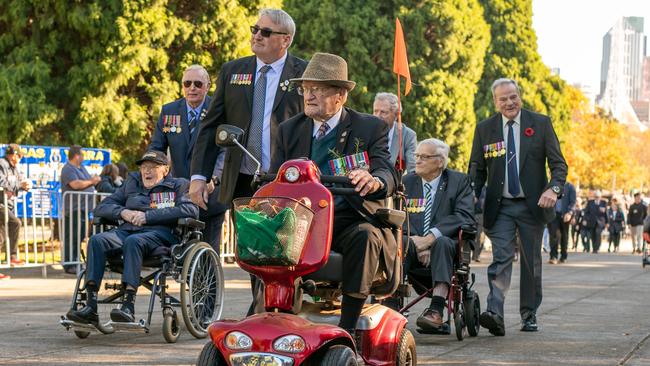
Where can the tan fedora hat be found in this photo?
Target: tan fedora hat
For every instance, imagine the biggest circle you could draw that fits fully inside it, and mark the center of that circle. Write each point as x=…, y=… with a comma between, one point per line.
x=327, y=68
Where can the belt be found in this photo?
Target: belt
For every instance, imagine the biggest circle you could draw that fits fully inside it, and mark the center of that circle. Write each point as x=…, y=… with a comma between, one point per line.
x=514, y=199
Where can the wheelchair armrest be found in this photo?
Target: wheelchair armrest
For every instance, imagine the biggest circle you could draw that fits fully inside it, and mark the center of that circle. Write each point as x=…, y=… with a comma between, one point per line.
x=191, y=223
x=104, y=221
x=393, y=218
x=468, y=232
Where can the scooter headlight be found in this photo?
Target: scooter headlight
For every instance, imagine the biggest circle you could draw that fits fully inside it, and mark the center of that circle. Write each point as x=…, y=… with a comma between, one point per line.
x=238, y=341
x=291, y=174
x=290, y=344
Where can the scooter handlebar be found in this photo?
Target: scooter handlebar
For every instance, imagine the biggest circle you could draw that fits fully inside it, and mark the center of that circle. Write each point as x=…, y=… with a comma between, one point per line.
x=325, y=179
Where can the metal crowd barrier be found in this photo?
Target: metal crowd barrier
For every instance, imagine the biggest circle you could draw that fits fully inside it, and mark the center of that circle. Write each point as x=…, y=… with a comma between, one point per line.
x=36, y=238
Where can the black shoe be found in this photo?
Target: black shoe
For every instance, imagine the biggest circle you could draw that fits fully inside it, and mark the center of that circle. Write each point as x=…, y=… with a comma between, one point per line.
x=123, y=315
x=562, y=260
x=529, y=324
x=86, y=315
x=493, y=323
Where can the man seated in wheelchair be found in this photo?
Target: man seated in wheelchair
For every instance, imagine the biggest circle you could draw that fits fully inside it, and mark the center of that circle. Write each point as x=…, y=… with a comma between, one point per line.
x=147, y=206
x=439, y=202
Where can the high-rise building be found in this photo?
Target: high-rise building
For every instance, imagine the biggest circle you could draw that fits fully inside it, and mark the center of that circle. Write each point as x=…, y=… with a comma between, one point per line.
x=645, y=84
x=621, y=73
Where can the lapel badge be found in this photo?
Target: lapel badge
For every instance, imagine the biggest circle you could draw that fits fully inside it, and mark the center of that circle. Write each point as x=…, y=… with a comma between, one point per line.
x=284, y=85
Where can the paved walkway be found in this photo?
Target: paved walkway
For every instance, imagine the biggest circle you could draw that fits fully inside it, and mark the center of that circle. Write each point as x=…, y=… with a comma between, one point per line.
x=595, y=312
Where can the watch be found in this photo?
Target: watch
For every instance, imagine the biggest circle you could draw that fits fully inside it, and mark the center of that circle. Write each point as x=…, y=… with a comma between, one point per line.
x=556, y=189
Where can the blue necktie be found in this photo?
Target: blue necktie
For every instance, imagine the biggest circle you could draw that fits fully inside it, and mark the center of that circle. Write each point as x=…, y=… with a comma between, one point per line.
x=513, y=174
x=254, y=143
x=192, y=122
x=427, y=208
x=322, y=131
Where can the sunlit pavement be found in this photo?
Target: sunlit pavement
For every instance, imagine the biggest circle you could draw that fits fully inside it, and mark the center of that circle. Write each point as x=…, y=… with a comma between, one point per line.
x=595, y=312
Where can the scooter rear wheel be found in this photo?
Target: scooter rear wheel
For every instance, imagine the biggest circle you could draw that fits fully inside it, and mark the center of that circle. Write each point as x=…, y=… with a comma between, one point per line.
x=406, y=354
x=339, y=356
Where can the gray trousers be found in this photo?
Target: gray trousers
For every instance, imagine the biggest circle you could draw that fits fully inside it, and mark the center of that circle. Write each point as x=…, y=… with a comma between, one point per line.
x=441, y=266
x=637, y=236
x=513, y=216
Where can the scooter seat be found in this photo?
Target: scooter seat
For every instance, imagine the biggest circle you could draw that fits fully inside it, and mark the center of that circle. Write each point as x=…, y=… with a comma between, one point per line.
x=330, y=272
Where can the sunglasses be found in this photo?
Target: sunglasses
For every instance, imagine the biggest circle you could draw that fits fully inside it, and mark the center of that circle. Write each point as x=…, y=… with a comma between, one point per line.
x=197, y=83
x=265, y=32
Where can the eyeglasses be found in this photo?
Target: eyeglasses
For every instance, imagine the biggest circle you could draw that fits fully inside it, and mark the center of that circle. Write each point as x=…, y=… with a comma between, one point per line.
x=150, y=168
x=317, y=91
x=197, y=83
x=265, y=32
x=426, y=157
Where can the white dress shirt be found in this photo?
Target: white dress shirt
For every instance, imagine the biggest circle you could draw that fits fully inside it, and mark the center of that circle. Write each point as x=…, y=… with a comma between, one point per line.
x=332, y=122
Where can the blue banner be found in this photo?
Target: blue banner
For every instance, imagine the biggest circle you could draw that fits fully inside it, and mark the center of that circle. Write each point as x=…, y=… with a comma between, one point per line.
x=42, y=165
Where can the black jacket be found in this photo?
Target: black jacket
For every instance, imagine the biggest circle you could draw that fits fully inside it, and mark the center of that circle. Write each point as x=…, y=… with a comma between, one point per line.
x=595, y=214
x=636, y=214
x=133, y=195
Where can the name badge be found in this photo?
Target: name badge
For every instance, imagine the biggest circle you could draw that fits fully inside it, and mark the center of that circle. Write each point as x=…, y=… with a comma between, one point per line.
x=162, y=200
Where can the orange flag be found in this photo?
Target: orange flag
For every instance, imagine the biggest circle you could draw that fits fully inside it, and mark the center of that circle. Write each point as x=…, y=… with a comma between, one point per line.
x=400, y=61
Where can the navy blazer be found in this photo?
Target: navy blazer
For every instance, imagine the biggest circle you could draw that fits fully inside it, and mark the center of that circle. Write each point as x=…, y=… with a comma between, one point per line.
x=180, y=144
x=568, y=199
x=453, y=204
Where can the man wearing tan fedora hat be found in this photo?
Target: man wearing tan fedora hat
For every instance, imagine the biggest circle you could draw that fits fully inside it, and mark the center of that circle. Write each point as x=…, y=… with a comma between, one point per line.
x=356, y=144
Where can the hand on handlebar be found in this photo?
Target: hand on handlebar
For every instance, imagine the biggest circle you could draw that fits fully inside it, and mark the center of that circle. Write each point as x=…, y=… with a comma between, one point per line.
x=199, y=193
x=364, y=182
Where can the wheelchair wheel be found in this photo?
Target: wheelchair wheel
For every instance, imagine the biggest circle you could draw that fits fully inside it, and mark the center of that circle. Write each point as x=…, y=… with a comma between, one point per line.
x=171, y=327
x=81, y=334
x=202, y=289
x=472, y=313
x=339, y=356
x=406, y=355
x=210, y=356
x=459, y=324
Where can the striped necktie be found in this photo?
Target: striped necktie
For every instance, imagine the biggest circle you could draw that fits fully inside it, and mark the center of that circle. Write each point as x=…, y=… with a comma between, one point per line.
x=192, y=122
x=427, y=208
x=513, y=174
x=254, y=143
x=322, y=131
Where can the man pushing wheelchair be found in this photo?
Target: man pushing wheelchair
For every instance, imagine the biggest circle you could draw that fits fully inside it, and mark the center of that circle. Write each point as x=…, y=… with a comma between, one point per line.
x=148, y=206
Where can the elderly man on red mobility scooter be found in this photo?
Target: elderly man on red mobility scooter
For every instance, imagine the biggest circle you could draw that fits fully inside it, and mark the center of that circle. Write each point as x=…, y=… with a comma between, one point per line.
x=345, y=144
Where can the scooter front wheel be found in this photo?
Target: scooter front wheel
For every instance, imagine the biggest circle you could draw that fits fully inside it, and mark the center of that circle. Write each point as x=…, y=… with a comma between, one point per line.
x=210, y=356
x=339, y=356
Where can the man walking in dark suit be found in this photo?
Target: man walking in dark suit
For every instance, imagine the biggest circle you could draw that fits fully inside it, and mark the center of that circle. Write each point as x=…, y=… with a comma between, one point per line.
x=334, y=133
x=511, y=150
x=252, y=93
x=177, y=129
x=558, y=228
x=595, y=219
x=440, y=202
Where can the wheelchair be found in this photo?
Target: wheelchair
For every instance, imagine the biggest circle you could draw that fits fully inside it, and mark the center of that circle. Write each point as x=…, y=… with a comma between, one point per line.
x=192, y=263
x=463, y=303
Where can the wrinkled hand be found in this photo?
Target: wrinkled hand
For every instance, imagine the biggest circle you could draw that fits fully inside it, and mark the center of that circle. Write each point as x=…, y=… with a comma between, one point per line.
x=424, y=257
x=199, y=193
x=363, y=182
x=139, y=218
x=423, y=243
x=547, y=199
x=210, y=187
x=567, y=217
x=127, y=215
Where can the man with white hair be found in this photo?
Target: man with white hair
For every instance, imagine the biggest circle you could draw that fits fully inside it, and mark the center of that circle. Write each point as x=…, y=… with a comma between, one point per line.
x=511, y=150
x=386, y=107
x=440, y=202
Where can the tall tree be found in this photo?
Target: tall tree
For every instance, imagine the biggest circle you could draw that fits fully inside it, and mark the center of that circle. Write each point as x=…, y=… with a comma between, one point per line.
x=446, y=43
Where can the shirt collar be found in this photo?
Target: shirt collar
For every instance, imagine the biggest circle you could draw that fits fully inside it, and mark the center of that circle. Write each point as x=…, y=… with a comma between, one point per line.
x=433, y=183
x=197, y=109
x=277, y=66
x=517, y=120
x=392, y=130
x=332, y=122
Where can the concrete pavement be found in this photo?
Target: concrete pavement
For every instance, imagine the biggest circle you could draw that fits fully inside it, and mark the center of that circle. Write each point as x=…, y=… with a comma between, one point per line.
x=595, y=312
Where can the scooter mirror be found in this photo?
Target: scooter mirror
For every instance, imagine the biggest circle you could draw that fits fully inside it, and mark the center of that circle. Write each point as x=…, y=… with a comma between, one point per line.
x=228, y=134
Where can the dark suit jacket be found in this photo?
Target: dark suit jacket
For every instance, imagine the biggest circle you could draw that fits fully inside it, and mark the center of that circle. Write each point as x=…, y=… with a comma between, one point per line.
x=453, y=204
x=595, y=214
x=293, y=141
x=233, y=104
x=568, y=199
x=180, y=144
x=616, y=221
x=534, y=152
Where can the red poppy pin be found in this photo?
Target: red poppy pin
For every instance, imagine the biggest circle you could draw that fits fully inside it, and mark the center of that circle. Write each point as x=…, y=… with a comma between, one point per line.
x=529, y=132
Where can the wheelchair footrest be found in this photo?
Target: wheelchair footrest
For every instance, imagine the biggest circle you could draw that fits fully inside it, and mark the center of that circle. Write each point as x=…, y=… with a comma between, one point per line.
x=69, y=324
x=140, y=326
x=444, y=330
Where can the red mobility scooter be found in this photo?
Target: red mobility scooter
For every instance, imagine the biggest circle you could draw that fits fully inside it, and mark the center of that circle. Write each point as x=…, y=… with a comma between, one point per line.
x=294, y=331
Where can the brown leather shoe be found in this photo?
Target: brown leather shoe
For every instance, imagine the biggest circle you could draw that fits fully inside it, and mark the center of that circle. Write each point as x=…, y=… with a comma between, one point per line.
x=430, y=320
